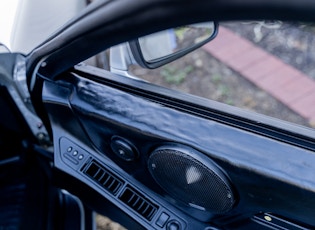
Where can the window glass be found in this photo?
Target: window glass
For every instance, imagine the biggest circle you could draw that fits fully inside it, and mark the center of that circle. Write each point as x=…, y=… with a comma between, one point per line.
x=262, y=66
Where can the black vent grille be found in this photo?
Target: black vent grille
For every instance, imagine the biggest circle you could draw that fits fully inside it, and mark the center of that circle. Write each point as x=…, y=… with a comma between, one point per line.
x=104, y=178
x=138, y=203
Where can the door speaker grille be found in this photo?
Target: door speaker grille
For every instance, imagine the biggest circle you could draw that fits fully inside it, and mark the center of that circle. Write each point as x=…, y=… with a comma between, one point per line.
x=198, y=185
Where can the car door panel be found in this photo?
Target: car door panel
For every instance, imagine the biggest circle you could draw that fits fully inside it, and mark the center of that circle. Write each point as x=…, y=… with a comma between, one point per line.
x=146, y=156
x=264, y=172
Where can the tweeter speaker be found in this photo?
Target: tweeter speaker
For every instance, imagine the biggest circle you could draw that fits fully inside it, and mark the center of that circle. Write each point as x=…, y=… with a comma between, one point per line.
x=191, y=178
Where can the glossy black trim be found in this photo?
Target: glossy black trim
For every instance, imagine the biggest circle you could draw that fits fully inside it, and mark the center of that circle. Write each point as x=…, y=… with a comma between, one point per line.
x=263, y=125
x=268, y=174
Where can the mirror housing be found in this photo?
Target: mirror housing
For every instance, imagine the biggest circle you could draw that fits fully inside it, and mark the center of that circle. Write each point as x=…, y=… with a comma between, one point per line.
x=157, y=49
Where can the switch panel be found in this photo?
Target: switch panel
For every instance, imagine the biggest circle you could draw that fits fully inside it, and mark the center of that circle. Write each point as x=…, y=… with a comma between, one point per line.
x=72, y=154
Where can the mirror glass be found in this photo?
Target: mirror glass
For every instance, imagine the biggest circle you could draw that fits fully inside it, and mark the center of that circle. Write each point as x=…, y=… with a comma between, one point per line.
x=168, y=42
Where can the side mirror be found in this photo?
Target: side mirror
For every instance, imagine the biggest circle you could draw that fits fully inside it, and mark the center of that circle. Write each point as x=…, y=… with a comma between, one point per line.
x=160, y=48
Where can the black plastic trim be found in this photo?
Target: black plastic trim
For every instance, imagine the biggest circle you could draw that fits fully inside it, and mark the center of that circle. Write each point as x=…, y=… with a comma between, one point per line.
x=103, y=177
x=138, y=203
x=225, y=114
x=269, y=175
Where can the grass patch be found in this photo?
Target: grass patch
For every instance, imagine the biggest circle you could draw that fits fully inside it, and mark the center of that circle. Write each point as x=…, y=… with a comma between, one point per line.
x=173, y=75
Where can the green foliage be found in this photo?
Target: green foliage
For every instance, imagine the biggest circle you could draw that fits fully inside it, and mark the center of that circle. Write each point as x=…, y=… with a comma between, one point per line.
x=229, y=101
x=172, y=75
x=223, y=90
x=216, y=78
x=180, y=32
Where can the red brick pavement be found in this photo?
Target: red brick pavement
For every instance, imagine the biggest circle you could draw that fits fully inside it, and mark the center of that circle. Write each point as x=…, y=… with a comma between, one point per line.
x=282, y=81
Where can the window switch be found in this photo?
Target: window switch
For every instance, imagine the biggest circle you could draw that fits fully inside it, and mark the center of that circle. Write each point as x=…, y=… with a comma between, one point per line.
x=162, y=220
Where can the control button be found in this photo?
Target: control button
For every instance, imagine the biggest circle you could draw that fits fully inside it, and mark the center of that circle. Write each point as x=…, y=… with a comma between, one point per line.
x=71, y=159
x=80, y=157
x=173, y=225
x=75, y=153
x=162, y=220
x=69, y=149
x=123, y=149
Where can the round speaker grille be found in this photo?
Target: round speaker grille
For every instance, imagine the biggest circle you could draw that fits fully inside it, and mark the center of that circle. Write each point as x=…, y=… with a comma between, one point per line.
x=198, y=185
